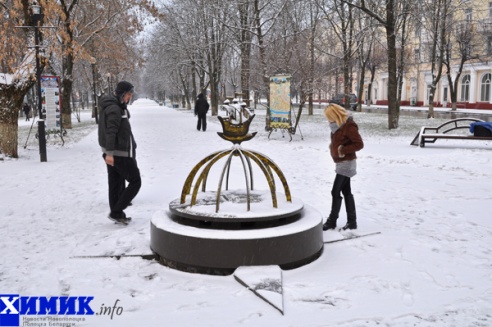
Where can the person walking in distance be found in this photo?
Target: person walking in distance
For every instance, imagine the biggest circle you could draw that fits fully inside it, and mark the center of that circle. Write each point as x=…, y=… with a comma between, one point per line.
x=27, y=110
x=345, y=141
x=201, y=109
x=118, y=146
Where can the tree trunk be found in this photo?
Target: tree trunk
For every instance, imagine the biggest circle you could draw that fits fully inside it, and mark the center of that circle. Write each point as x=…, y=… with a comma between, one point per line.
x=401, y=64
x=347, y=86
x=214, y=85
x=244, y=16
x=311, y=72
x=214, y=92
x=186, y=92
x=299, y=111
x=393, y=106
x=194, y=92
x=360, y=93
x=430, y=114
x=453, y=94
x=262, y=51
x=66, y=91
x=245, y=75
x=371, y=83
x=10, y=103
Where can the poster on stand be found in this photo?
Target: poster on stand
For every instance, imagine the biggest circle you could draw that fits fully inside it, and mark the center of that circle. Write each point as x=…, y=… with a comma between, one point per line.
x=279, y=111
x=50, y=96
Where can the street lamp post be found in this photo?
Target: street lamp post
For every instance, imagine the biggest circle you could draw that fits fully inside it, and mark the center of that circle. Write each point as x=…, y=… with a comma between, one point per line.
x=94, y=96
x=36, y=17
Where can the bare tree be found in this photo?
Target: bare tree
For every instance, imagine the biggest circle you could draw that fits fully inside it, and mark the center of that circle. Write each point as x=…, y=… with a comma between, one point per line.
x=173, y=49
x=246, y=36
x=17, y=69
x=80, y=23
x=298, y=55
x=365, y=46
x=461, y=41
x=265, y=15
x=386, y=14
x=435, y=17
x=341, y=17
x=376, y=60
x=403, y=54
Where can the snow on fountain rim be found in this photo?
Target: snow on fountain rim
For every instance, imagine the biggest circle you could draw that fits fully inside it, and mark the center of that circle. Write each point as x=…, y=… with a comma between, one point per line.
x=260, y=205
x=310, y=219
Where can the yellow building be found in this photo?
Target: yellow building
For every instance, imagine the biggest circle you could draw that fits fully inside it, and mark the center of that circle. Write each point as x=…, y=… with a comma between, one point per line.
x=473, y=19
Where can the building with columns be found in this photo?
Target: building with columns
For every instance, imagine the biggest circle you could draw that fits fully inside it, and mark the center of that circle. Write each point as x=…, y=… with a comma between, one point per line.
x=474, y=86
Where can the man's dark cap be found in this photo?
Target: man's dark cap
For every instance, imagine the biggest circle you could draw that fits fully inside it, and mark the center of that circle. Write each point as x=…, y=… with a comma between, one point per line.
x=122, y=88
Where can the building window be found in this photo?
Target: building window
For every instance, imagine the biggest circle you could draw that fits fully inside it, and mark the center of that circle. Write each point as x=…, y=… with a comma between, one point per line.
x=468, y=15
x=485, y=88
x=427, y=53
x=489, y=46
x=465, y=88
x=490, y=9
x=448, y=52
x=417, y=55
x=467, y=51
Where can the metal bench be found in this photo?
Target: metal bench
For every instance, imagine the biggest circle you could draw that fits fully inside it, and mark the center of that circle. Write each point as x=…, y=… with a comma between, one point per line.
x=431, y=134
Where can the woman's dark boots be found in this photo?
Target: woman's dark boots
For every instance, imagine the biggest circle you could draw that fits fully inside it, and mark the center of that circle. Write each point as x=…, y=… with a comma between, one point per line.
x=331, y=222
x=351, y=215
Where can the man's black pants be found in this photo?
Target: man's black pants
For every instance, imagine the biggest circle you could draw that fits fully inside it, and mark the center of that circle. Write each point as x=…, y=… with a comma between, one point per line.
x=124, y=169
x=202, y=122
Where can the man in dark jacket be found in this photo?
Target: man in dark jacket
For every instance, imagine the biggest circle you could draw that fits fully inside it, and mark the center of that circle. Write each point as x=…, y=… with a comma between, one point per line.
x=201, y=109
x=27, y=110
x=118, y=146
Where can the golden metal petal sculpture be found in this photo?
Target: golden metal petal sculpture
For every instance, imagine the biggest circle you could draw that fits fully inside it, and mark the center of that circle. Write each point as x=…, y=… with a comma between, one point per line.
x=235, y=133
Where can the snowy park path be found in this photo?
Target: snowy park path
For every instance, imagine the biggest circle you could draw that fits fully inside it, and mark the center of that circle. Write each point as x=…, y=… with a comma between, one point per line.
x=430, y=266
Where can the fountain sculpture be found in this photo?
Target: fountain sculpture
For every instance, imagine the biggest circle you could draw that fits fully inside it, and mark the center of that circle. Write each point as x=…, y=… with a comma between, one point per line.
x=215, y=232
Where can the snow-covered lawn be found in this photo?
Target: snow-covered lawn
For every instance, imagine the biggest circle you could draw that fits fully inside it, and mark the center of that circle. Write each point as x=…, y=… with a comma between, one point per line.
x=430, y=266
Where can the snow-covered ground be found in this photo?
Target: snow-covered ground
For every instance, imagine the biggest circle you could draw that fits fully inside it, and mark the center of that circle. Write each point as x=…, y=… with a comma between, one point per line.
x=430, y=266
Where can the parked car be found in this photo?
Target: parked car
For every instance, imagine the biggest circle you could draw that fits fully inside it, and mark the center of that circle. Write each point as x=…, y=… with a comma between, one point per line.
x=340, y=100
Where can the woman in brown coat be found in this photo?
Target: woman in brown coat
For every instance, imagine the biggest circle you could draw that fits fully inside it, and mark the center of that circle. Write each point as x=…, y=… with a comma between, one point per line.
x=345, y=141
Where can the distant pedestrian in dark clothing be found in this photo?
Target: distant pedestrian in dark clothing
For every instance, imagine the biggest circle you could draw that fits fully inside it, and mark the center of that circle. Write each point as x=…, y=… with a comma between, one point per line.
x=118, y=146
x=27, y=110
x=201, y=109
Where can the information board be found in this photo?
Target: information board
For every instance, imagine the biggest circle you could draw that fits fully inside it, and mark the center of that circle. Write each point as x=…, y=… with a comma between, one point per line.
x=279, y=111
x=50, y=96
